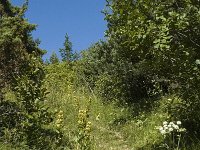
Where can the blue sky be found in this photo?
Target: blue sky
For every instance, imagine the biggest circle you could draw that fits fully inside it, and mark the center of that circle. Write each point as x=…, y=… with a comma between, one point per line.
x=81, y=19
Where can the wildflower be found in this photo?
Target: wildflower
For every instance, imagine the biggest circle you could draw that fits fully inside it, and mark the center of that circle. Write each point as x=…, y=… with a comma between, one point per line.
x=89, y=123
x=169, y=126
x=176, y=127
x=165, y=126
x=182, y=130
x=58, y=125
x=79, y=122
x=59, y=120
x=163, y=132
x=170, y=129
x=161, y=128
x=178, y=122
x=165, y=123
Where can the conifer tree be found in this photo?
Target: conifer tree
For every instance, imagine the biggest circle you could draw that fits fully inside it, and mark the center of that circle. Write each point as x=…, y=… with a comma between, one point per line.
x=66, y=52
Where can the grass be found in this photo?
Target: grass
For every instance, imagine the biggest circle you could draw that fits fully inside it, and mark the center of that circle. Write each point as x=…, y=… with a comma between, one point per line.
x=113, y=127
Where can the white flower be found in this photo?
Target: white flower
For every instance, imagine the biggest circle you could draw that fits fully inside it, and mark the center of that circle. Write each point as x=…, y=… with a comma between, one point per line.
x=197, y=62
x=169, y=126
x=165, y=123
x=176, y=127
x=161, y=128
x=170, y=129
x=165, y=126
x=178, y=122
x=182, y=130
x=166, y=129
x=163, y=132
x=171, y=123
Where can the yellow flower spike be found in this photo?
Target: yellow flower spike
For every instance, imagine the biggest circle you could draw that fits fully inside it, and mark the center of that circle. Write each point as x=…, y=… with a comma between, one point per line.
x=89, y=123
x=57, y=125
x=79, y=122
x=59, y=120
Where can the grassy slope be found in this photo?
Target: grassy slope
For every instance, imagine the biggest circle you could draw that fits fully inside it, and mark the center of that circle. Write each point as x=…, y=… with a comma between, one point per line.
x=112, y=127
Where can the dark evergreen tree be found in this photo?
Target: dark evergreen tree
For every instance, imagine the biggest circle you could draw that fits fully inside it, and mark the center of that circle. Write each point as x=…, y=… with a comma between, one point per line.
x=66, y=52
x=15, y=41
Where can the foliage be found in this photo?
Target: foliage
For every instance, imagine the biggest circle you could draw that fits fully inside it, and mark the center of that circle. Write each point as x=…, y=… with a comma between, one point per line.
x=60, y=76
x=22, y=71
x=30, y=96
x=15, y=41
x=151, y=50
x=112, y=77
x=164, y=35
x=113, y=127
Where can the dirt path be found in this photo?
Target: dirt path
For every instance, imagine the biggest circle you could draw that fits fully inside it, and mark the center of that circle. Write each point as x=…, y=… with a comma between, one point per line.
x=113, y=141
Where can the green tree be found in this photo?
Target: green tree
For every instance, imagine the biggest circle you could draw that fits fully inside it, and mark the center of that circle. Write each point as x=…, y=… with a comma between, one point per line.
x=22, y=70
x=164, y=37
x=54, y=58
x=151, y=45
x=66, y=52
x=15, y=42
x=112, y=77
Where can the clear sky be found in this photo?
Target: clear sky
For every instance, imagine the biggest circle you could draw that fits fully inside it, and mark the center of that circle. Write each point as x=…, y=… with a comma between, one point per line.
x=81, y=19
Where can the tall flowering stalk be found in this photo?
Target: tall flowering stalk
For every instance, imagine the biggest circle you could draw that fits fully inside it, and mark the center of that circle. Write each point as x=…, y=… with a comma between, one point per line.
x=84, y=130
